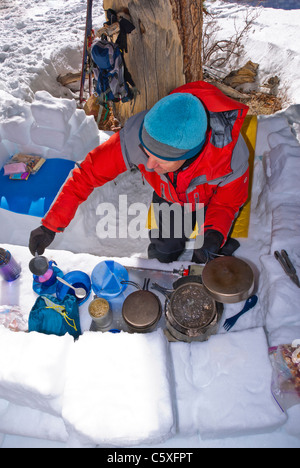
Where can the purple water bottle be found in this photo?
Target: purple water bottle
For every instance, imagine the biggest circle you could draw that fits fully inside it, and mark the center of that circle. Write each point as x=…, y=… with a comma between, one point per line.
x=9, y=269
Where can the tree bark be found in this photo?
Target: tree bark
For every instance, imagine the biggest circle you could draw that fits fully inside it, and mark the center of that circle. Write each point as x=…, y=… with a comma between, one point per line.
x=188, y=15
x=164, y=50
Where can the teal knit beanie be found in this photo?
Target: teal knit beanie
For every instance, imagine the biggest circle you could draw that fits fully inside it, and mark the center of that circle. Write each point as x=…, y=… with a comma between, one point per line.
x=175, y=128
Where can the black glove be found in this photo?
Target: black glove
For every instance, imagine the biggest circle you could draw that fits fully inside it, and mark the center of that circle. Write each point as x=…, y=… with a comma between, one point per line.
x=40, y=239
x=212, y=243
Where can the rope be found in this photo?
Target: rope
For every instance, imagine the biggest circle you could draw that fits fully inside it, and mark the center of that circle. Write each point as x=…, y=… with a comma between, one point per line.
x=61, y=310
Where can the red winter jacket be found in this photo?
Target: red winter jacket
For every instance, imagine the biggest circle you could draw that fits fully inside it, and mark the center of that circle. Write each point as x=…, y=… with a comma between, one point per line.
x=218, y=178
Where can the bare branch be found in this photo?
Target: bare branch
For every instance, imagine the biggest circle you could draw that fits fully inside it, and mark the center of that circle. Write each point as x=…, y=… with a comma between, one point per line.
x=218, y=52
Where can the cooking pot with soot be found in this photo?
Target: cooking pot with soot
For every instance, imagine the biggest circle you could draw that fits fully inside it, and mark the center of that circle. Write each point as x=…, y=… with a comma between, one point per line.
x=191, y=313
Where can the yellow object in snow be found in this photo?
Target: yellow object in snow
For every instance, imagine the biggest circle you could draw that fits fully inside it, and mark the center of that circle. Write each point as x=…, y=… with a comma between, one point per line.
x=61, y=310
x=151, y=221
x=241, y=224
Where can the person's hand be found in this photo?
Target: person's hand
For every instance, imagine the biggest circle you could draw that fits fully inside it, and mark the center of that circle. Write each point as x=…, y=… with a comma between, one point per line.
x=212, y=243
x=40, y=239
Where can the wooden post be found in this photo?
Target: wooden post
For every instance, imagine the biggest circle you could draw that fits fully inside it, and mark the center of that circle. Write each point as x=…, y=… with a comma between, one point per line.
x=164, y=50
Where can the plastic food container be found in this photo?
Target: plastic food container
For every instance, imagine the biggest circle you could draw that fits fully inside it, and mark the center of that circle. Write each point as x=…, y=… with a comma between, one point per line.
x=78, y=279
x=107, y=277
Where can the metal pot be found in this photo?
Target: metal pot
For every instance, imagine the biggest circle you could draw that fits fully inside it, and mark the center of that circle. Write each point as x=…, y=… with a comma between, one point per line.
x=191, y=313
x=141, y=310
x=228, y=279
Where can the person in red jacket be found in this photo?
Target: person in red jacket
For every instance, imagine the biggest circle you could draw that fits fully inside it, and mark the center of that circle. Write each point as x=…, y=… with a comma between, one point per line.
x=189, y=148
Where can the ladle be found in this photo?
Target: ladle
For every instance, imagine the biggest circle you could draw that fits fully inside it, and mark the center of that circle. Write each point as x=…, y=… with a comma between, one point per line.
x=80, y=293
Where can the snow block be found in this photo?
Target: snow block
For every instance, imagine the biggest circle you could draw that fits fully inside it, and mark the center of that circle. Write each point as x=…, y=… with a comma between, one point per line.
x=50, y=111
x=267, y=125
x=54, y=115
x=283, y=136
x=282, y=167
x=77, y=119
x=4, y=154
x=16, y=129
x=223, y=386
x=85, y=139
x=281, y=299
x=118, y=389
x=32, y=369
x=27, y=422
x=286, y=225
x=51, y=138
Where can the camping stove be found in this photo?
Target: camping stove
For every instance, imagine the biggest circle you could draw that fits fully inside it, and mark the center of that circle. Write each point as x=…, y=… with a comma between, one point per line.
x=191, y=314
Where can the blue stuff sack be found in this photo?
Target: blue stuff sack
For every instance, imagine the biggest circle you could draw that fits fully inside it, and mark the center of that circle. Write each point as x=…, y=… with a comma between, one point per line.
x=54, y=317
x=109, y=72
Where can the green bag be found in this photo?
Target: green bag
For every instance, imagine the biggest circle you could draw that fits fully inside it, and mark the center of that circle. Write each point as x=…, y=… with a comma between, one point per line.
x=51, y=316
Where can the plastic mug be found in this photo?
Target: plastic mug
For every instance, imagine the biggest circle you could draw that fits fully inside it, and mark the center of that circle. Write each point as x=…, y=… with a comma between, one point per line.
x=48, y=278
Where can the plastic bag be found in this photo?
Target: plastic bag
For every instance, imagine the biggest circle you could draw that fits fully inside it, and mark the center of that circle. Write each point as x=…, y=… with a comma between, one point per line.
x=51, y=316
x=286, y=374
x=12, y=317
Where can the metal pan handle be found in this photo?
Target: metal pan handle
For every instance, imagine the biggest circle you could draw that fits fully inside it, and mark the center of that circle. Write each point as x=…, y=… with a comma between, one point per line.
x=165, y=291
x=132, y=283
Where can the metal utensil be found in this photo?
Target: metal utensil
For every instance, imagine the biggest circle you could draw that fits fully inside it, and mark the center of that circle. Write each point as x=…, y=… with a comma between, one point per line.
x=249, y=304
x=287, y=265
x=80, y=293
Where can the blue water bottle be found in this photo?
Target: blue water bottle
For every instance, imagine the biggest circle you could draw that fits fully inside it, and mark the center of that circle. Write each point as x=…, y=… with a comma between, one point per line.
x=9, y=269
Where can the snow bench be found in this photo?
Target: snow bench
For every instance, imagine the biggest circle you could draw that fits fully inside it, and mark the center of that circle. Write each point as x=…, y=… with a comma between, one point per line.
x=59, y=132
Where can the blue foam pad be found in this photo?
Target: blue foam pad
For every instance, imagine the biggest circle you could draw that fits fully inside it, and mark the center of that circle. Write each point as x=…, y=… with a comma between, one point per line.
x=35, y=195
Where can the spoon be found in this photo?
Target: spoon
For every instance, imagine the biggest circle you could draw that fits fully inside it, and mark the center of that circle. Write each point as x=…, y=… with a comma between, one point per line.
x=80, y=293
x=249, y=304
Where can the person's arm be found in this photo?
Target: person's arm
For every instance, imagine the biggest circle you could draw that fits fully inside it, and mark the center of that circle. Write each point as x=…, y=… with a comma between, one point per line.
x=225, y=205
x=221, y=212
x=101, y=165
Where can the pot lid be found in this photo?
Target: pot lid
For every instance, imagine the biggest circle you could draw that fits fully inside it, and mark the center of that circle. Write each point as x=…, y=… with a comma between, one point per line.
x=107, y=279
x=141, y=309
x=39, y=265
x=228, y=279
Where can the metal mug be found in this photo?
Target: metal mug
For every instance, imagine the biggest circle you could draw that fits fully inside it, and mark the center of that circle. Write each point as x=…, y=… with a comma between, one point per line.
x=101, y=313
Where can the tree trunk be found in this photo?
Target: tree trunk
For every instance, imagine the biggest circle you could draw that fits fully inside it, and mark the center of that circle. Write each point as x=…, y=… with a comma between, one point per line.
x=164, y=50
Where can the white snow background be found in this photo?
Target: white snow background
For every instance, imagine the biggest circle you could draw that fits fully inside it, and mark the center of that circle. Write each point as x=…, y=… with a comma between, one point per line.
x=214, y=394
